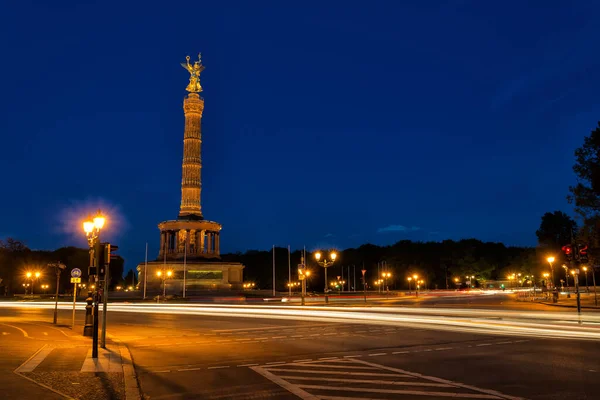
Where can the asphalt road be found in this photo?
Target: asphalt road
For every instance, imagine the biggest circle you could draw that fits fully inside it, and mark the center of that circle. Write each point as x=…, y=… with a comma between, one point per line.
x=181, y=355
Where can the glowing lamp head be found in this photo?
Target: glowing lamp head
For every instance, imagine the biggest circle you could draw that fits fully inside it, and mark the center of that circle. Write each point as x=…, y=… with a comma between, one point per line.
x=318, y=256
x=99, y=220
x=169, y=273
x=307, y=273
x=88, y=227
x=37, y=274
x=415, y=276
x=409, y=278
x=333, y=255
x=28, y=274
x=158, y=273
x=550, y=259
x=585, y=269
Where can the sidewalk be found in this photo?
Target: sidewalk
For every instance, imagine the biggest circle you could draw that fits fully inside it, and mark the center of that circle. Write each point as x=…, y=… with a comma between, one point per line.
x=70, y=370
x=587, y=301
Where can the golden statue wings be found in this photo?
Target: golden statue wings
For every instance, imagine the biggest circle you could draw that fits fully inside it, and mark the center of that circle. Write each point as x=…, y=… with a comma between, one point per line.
x=194, y=70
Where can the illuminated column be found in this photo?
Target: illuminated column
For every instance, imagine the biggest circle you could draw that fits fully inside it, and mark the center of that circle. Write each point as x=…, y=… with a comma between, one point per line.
x=191, y=184
x=217, y=249
x=210, y=242
x=202, y=233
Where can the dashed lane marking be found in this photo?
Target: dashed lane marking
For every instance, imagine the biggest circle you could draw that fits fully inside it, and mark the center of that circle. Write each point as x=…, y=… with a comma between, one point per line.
x=188, y=369
x=278, y=337
x=369, y=381
x=275, y=363
x=483, y=344
x=303, y=360
x=400, y=352
x=377, y=354
x=308, y=371
x=219, y=367
x=247, y=365
x=328, y=358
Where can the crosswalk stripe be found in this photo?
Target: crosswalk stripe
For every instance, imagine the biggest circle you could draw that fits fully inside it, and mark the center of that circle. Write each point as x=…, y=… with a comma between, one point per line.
x=312, y=371
x=371, y=381
x=329, y=366
x=294, y=389
x=405, y=392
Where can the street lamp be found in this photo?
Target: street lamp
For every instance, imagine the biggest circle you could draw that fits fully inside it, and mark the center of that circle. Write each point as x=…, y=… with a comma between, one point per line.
x=325, y=264
x=550, y=261
x=587, y=289
x=409, y=279
x=164, y=275
x=92, y=228
x=386, y=275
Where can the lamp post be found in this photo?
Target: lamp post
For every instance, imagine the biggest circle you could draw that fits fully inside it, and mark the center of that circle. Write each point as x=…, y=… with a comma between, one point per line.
x=164, y=275
x=325, y=264
x=587, y=289
x=409, y=279
x=386, y=275
x=416, y=277
x=92, y=228
x=567, y=280
x=457, y=282
x=550, y=261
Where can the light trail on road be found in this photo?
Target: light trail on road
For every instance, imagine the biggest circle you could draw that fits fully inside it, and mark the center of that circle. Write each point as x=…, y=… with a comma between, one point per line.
x=494, y=322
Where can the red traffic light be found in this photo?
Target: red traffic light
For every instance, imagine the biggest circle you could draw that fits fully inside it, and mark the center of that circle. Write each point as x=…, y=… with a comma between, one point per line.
x=567, y=249
x=583, y=250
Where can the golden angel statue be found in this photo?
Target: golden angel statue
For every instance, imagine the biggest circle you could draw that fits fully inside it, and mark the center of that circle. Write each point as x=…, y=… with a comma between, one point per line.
x=194, y=70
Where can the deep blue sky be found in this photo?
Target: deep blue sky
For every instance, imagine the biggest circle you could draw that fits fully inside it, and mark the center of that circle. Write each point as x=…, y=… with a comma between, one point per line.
x=326, y=123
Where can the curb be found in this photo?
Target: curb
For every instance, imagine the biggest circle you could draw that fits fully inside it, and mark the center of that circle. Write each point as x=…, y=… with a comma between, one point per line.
x=132, y=387
x=567, y=306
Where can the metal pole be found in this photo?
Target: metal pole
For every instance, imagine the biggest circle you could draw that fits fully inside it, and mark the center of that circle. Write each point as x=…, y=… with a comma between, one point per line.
x=594, y=282
x=184, y=264
x=273, y=270
x=567, y=282
x=74, y=301
x=354, y=273
x=56, y=297
x=88, y=328
x=289, y=271
x=146, y=271
x=326, y=296
x=576, y=279
x=104, y=303
x=95, y=334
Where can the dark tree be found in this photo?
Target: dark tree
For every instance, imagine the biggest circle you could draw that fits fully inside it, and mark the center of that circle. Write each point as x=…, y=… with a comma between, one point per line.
x=555, y=230
x=586, y=193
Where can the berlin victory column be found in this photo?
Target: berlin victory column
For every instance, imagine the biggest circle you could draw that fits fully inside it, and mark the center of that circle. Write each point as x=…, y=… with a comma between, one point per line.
x=190, y=245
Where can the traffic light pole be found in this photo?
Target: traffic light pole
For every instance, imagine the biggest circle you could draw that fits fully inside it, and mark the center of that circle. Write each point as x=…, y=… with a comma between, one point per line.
x=105, y=301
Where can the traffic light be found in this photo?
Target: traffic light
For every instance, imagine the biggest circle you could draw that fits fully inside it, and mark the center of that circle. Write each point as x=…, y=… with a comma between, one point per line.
x=582, y=251
x=568, y=250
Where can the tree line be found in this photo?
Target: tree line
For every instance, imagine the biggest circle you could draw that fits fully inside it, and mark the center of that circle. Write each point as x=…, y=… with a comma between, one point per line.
x=16, y=259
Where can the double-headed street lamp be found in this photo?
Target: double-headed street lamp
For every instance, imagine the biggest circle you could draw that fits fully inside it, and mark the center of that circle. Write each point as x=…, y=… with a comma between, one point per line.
x=92, y=228
x=32, y=276
x=164, y=275
x=325, y=263
x=385, y=276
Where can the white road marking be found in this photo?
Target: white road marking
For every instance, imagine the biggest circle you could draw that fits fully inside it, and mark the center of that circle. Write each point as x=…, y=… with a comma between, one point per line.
x=483, y=344
x=284, y=384
x=45, y=333
x=297, y=336
x=276, y=363
x=377, y=354
x=369, y=381
x=17, y=328
x=35, y=360
x=219, y=367
x=5, y=333
x=308, y=371
x=303, y=360
x=278, y=337
x=491, y=393
x=400, y=352
x=332, y=333
x=520, y=341
x=261, y=338
x=394, y=391
x=328, y=358
x=164, y=371
x=247, y=365
x=443, y=348
x=504, y=342
x=323, y=365
x=189, y=369
x=352, y=356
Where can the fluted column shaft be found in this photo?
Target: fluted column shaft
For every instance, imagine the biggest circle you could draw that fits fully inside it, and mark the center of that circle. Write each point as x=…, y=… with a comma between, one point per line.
x=191, y=181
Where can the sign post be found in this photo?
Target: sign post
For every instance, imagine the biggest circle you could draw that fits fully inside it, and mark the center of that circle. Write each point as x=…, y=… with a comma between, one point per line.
x=364, y=271
x=75, y=279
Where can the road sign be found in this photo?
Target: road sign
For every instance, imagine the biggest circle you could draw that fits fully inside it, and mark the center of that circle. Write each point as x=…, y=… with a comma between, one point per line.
x=75, y=280
x=76, y=273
